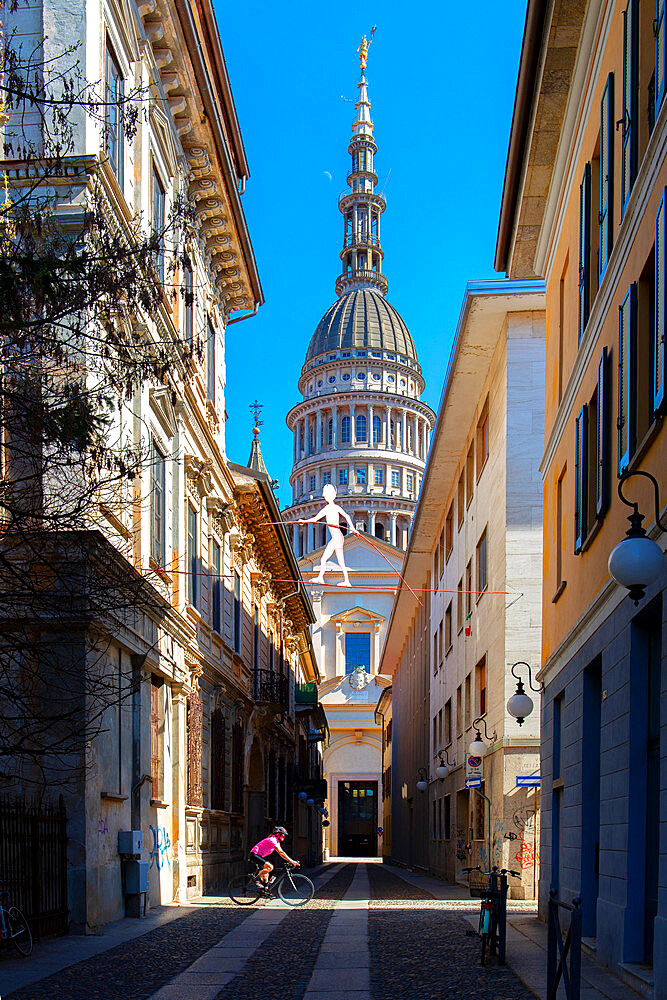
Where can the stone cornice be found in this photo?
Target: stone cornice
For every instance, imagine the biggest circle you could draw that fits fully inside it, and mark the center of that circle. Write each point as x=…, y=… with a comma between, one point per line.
x=362, y=397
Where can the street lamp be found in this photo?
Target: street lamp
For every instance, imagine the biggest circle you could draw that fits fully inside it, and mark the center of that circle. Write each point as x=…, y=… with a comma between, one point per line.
x=636, y=562
x=442, y=770
x=520, y=705
x=422, y=783
x=478, y=747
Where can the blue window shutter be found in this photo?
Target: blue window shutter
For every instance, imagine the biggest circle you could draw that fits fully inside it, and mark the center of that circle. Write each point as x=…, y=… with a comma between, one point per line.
x=580, y=478
x=584, y=249
x=602, y=442
x=606, y=220
x=660, y=49
x=630, y=83
x=658, y=346
x=627, y=391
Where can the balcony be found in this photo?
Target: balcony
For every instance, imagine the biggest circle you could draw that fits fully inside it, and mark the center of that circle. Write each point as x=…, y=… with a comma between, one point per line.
x=368, y=277
x=361, y=240
x=305, y=695
x=270, y=688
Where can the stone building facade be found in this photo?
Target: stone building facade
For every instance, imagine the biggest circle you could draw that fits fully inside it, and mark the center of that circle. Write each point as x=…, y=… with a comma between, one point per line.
x=362, y=427
x=212, y=726
x=474, y=563
x=584, y=207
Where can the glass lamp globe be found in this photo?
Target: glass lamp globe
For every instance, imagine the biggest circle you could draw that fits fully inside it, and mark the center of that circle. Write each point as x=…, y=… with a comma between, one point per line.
x=478, y=747
x=520, y=705
x=422, y=785
x=303, y=796
x=635, y=563
x=310, y=802
x=442, y=771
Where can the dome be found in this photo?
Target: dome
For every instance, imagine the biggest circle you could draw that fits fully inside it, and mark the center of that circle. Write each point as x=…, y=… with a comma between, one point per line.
x=361, y=319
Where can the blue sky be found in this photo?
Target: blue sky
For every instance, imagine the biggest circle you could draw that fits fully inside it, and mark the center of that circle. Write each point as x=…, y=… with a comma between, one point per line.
x=441, y=78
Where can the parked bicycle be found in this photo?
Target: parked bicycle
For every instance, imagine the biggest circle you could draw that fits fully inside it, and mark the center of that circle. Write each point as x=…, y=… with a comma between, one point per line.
x=294, y=889
x=14, y=927
x=491, y=887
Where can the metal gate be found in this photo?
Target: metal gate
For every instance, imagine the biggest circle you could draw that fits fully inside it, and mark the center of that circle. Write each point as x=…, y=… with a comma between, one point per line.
x=33, y=862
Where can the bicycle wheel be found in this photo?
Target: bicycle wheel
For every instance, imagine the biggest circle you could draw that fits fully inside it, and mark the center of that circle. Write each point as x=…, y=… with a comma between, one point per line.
x=295, y=890
x=485, y=939
x=18, y=928
x=243, y=891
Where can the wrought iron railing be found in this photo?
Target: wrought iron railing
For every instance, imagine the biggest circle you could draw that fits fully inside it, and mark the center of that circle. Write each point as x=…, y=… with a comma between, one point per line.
x=361, y=239
x=270, y=688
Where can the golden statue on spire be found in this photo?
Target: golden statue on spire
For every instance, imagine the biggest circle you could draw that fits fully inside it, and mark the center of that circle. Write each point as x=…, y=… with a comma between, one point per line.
x=364, y=47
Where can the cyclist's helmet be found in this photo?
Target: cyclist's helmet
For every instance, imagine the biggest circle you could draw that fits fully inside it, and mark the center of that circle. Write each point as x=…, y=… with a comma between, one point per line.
x=281, y=830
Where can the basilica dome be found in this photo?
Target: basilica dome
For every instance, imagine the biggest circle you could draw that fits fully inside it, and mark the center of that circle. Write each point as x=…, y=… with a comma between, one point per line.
x=362, y=319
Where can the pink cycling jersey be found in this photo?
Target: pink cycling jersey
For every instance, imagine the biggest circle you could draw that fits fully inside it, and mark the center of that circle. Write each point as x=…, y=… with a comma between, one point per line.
x=266, y=846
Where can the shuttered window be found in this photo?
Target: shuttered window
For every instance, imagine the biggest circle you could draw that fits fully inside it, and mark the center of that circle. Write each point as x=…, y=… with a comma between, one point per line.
x=658, y=347
x=660, y=47
x=580, y=478
x=584, y=249
x=217, y=759
x=630, y=83
x=606, y=175
x=602, y=438
x=627, y=338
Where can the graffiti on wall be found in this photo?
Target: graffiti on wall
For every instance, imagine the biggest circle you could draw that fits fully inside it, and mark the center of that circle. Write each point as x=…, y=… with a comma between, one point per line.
x=161, y=844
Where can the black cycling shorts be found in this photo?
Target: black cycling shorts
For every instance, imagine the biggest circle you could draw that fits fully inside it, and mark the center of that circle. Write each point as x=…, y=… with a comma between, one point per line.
x=258, y=857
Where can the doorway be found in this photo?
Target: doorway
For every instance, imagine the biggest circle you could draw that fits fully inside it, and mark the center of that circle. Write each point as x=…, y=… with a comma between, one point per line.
x=357, y=818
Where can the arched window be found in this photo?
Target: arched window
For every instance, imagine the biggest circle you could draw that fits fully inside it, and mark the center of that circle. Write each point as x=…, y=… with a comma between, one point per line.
x=377, y=430
x=360, y=427
x=379, y=530
x=311, y=437
x=345, y=430
x=330, y=431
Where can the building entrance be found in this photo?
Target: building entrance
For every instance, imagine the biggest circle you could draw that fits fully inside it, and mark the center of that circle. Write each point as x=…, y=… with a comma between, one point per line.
x=357, y=818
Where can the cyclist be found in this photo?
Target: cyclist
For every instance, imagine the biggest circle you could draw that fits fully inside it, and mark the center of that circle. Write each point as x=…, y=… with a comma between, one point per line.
x=264, y=850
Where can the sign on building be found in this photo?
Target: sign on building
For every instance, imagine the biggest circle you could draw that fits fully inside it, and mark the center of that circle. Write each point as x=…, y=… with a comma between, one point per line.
x=528, y=781
x=474, y=766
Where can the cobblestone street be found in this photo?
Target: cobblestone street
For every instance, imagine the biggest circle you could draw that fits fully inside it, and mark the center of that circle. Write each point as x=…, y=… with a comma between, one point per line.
x=368, y=933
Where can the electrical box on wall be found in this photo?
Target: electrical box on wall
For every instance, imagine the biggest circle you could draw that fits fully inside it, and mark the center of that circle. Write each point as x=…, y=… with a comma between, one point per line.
x=129, y=841
x=136, y=876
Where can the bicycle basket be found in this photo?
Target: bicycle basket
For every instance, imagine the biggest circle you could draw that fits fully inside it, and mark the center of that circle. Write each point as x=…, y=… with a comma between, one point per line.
x=478, y=884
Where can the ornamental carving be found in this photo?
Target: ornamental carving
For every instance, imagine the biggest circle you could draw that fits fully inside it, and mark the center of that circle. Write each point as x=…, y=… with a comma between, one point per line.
x=198, y=475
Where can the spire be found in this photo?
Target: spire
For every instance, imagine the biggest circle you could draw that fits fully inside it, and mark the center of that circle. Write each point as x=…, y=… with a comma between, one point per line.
x=361, y=207
x=256, y=461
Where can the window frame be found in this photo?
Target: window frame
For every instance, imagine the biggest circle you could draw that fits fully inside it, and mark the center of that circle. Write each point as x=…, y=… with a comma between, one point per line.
x=210, y=362
x=659, y=345
x=115, y=100
x=216, y=586
x=158, y=217
x=580, y=478
x=584, y=250
x=606, y=212
x=482, y=578
x=629, y=134
x=627, y=377
x=192, y=553
x=158, y=490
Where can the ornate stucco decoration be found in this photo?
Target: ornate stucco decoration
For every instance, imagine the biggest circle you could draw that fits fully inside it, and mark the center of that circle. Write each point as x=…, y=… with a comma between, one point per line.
x=198, y=475
x=359, y=679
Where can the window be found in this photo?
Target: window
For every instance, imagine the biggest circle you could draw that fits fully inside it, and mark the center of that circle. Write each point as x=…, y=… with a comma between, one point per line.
x=216, y=587
x=217, y=759
x=377, y=427
x=360, y=427
x=468, y=701
x=448, y=722
x=210, y=364
x=312, y=481
x=395, y=479
x=660, y=48
x=361, y=477
x=326, y=477
x=482, y=438
x=449, y=532
x=157, y=733
x=448, y=817
x=194, y=727
x=560, y=530
x=440, y=744
x=357, y=651
x=627, y=337
x=584, y=249
x=436, y=572
x=409, y=482
x=238, y=759
x=470, y=473
x=480, y=686
x=659, y=344
x=630, y=130
x=158, y=223
x=379, y=477
x=255, y=638
x=441, y=551
x=469, y=590
x=192, y=558
x=448, y=627
x=459, y=710
x=461, y=498
x=189, y=306
x=481, y=564
x=605, y=217
x=436, y=657
x=440, y=645
x=330, y=428
x=459, y=606
x=342, y=477
x=236, y=613
x=115, y=93
x=561, y=326
x=345, y=430
x=158, y=500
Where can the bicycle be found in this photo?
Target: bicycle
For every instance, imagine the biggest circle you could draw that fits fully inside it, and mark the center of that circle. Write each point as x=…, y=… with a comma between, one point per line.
x=293, y=889
x=492, y=911
x=14, y=927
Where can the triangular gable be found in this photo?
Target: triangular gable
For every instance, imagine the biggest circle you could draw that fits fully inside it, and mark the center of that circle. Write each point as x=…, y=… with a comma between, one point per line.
x=356, y=614
x=163, y=408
